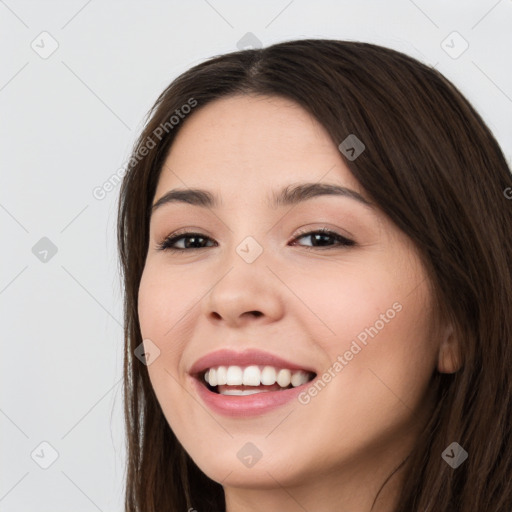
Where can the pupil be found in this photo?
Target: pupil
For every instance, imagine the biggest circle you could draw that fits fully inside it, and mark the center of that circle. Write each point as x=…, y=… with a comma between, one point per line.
x=321, y=238
x=191, y=242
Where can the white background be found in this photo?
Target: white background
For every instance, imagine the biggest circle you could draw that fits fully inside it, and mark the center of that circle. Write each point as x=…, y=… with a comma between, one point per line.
x=67, y=124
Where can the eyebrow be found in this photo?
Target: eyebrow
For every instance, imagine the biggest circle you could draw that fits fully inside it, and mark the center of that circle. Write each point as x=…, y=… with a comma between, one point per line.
x=290, y=195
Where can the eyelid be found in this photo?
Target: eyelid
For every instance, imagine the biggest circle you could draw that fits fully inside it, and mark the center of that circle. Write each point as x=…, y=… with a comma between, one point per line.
x=340, y=240
x=182, y=233
x=322, y=229
x=343, y=241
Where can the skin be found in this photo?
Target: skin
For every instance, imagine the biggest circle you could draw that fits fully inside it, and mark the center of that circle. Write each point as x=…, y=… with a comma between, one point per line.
x=335, y=452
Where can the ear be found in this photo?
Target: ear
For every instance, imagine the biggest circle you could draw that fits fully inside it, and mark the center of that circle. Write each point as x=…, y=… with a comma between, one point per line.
x=449, y=357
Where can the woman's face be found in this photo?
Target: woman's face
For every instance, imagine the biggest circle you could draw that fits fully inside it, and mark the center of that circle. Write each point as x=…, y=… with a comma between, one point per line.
x=259, y=287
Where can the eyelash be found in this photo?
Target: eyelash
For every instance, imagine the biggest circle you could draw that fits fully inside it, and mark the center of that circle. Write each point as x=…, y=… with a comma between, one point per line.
x=342, y=241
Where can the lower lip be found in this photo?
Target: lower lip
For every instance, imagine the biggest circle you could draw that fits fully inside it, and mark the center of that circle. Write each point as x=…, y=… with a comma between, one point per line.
x=248, y=405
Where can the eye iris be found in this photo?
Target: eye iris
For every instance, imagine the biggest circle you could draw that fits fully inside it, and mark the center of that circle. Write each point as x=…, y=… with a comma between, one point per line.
x=321, y=237
x=192, y=241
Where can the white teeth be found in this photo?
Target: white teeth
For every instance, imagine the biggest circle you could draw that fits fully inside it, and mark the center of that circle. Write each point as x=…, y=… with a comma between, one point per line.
x=234, y=376
x=241, y=392
x=268, y=376
x=298, y=378
x=254, y=375
x=251, y=376
x=284, y=378
x=222, y=376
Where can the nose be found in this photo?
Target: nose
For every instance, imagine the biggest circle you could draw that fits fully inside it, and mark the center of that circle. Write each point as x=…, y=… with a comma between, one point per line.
x=246, y=293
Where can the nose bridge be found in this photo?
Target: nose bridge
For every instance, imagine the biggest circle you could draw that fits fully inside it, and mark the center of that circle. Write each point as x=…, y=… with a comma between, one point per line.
x=249, y=241
x=250, y=250
x=246, y=285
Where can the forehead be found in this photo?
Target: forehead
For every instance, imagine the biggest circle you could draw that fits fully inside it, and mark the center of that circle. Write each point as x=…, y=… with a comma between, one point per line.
x=250, y=142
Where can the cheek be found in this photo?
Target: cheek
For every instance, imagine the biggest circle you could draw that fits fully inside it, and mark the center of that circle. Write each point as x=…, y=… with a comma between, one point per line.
x=390, y=357
x=346, y=300
x=165, y=305
x=164, y=298
x=380, y=325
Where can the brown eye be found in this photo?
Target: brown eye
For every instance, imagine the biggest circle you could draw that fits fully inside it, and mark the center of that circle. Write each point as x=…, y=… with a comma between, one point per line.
x=325, y=238
x=320, y=238
x=191, y=241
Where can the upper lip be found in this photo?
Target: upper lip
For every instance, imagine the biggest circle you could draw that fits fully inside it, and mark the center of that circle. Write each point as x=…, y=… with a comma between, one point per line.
x=227, y=357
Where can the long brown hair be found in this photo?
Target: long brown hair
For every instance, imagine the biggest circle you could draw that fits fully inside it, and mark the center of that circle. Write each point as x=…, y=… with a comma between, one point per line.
x=433, y=166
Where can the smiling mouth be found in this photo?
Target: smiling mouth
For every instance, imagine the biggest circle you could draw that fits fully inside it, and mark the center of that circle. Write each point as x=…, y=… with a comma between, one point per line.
x=252, y=379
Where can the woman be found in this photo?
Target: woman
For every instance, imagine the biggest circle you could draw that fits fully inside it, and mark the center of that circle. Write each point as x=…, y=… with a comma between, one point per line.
x=316, y=245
